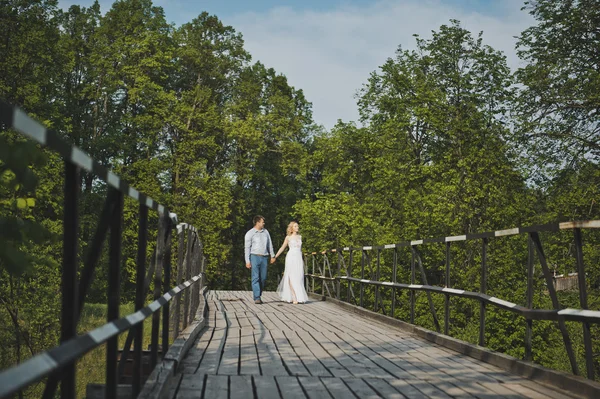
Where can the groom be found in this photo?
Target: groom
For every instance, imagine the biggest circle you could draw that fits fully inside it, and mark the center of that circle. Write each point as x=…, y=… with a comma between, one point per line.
x=257, y=247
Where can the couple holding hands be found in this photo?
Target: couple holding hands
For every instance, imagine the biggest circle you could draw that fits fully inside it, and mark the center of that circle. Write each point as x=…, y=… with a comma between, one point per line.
x=257, y=248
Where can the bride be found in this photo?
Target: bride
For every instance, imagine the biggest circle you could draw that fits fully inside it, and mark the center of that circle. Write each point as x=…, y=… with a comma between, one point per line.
x=291, y=287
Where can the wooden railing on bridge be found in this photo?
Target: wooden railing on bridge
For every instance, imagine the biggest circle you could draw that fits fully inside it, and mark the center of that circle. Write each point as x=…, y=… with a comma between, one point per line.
x=320, y=270
x=58, y=363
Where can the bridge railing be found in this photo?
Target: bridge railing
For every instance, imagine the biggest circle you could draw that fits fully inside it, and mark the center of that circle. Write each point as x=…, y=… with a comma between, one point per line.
x=58, y=363
x=329, y=282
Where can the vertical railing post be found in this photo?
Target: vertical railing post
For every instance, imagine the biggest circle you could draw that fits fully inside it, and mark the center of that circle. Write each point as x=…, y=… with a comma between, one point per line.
x=69, y=309
x=362, y=276
x=339, y=269
x=313, y=272
x=529, y=299
x=447, y=299
x=349, y=274
x=187, y=274
x=324, y=274
x=114, y=296
x=483, y=291
x=166, y=285
x=160, y=253
x=376, y=307
x=394, y=280
x=139, y=298
x=198, y=253
x=180, y=255
x=412, y=292
x=552, y=291
x=587, y=340
x=417, y=257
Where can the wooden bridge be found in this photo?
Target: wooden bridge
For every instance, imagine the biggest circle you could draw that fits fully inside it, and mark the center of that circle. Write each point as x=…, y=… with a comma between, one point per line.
x=227, y=346
x=321, y=350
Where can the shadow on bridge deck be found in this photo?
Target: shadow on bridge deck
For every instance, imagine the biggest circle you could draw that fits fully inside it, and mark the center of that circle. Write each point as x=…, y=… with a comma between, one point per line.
x=320, y=350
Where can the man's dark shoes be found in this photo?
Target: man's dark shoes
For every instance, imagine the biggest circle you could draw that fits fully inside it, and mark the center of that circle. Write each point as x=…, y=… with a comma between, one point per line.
x=258, y=302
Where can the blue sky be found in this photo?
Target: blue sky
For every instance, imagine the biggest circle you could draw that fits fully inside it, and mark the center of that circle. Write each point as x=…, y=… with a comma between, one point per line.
x=328, y=48
x=225, y=8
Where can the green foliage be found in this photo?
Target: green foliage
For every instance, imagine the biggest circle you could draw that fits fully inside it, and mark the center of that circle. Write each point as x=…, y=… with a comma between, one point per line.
x=447, y=146
x=18, y=228
x=558, y=105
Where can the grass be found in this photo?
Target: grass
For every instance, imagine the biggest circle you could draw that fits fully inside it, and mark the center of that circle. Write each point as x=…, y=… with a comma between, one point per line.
x=91, y=368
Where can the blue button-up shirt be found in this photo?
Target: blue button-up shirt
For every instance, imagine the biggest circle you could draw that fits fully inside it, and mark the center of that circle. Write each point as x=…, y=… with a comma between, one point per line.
x=257, y=242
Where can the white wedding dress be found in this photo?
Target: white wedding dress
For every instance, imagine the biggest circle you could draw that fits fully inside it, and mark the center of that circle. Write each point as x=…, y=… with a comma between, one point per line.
x=291, y=286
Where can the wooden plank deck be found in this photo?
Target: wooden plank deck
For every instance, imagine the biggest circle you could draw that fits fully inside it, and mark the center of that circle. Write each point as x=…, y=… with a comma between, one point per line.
x=319, y=350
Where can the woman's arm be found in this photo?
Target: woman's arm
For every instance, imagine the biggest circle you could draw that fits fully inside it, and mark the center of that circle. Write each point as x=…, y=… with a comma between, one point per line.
x=285, y=242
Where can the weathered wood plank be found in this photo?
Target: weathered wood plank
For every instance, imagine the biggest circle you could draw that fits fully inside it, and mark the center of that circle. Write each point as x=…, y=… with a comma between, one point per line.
x=384, y=389
x=243, y=319
x=364, y=366
x=288, y=356
x=337, y=389
x=270, y=360
x=254, y=320
x=210, y=361
x=233, y=320
x=216, y=386
x=546, y=391
x=429, y=390
x=406, y=389
x=191, y=386
x=494, y=389
x=231, y=353
x=290, y=388
x=283, y=350
x=240, y=387
x=372, y=352
x=266, y=387
x=452, y=389
x=266, y=321
x=314, y=387
x=174, y=386
x=311, y=362
x=248, y=357
x=190, y=363
x=321, y=353
x=341, y=357
x=360, y=388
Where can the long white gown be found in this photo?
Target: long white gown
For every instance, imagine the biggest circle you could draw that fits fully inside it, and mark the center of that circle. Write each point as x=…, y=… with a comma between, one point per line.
x=291, y=286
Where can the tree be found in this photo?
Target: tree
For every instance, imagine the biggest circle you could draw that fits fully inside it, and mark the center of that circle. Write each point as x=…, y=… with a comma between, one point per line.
x=30, y=66
x=559, y=121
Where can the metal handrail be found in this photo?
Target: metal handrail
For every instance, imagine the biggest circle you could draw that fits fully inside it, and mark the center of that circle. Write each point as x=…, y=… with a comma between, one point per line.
x=583, y=315
x=58, y=363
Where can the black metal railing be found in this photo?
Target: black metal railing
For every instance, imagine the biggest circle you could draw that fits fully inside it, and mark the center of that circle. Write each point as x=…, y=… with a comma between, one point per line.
x=58, y=363
x=330, y=284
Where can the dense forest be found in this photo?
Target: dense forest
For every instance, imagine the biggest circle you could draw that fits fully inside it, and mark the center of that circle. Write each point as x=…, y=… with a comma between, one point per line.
x=450, y=141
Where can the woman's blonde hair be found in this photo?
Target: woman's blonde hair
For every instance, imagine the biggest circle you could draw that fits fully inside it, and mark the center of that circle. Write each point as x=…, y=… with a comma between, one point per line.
x=289, y=228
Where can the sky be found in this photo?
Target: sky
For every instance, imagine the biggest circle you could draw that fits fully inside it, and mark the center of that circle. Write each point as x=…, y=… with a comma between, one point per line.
x=328, y=48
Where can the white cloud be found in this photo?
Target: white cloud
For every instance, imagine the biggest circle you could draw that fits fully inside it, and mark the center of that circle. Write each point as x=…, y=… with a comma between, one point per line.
x=330, y=54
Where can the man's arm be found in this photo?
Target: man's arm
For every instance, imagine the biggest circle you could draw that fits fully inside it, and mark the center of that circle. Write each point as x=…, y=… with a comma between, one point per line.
x=270, y=245
x=247, y=246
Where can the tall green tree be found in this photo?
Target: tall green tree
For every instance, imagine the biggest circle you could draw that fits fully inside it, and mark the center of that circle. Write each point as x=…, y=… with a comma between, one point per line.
x=210, y=59
x=559, y=101
x=29, y=286
x=270, y=130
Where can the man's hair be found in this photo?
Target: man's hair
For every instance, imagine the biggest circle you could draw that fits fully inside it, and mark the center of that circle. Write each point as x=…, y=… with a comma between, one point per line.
x=257, y=219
